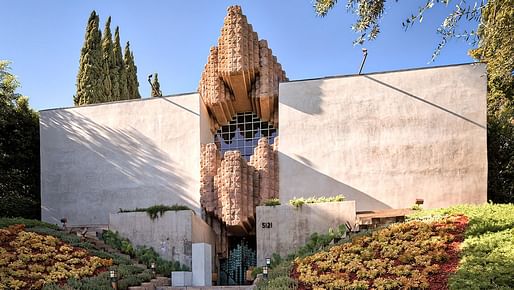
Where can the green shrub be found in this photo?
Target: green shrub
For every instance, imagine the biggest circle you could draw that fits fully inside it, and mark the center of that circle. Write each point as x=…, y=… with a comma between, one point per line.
x=279, y=283
x=128, y=275
x=487, y=255
x=278, y=277
x=297, y=202
x=256, y=271
x=29, y=223
x=157, y=210
x=482, y=218
x=71, y=239
x=145, y=255
x=271, y=202
x=487, y=262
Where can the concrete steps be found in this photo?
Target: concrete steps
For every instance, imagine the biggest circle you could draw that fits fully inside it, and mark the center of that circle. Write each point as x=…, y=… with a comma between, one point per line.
x=373, y=219
x=154, y=284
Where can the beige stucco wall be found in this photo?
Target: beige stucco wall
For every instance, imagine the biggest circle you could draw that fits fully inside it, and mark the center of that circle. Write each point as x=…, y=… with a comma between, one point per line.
x=97, y=159
x=386, y=139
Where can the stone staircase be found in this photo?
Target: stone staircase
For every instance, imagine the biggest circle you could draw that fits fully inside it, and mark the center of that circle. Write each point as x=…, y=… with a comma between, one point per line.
x=158, y=283
x=154, y=284
x=163, y=283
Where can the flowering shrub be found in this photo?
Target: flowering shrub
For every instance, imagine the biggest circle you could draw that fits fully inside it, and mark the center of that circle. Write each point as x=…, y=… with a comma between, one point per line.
x=407, y=256
x=29, y=260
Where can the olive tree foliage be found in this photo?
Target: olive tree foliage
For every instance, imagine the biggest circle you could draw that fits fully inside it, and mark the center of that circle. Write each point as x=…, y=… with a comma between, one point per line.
x=19, y=150
x=370, y=12
x=496, y=48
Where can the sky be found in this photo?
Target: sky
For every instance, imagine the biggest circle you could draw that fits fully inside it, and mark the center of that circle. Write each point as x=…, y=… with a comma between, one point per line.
x=43, y=40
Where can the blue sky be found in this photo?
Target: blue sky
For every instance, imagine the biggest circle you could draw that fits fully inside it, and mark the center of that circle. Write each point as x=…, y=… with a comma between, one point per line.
x=43, y=40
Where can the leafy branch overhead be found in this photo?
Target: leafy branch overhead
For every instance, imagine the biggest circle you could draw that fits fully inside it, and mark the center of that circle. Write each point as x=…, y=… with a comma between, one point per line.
x=370, y=12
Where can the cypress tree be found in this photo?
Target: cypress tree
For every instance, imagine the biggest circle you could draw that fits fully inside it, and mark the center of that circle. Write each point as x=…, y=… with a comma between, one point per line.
x=131, y=70
x=108, y=63
x=120, y=91
x=89, y=77
x=156, y=87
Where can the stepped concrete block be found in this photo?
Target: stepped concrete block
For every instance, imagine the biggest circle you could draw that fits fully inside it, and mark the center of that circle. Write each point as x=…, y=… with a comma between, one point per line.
x=148, y=286
x=182, y=278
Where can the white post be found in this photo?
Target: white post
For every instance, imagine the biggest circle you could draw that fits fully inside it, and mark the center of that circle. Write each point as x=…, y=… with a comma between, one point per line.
x=202, y=264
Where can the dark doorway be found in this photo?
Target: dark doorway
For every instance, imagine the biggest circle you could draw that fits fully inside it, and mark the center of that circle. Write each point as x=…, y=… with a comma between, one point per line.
x=242, y=257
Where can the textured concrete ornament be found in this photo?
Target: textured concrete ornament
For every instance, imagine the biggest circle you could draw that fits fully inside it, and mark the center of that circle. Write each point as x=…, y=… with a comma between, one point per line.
x=232, y=187
x=241, y=74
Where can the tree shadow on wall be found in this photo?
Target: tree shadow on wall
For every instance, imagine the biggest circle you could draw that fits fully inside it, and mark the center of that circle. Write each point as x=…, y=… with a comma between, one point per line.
x=305, y=181
x=304, y=98
x=90, y=170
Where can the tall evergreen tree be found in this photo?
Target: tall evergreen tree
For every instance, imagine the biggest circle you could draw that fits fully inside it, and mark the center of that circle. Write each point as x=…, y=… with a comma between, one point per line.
x=89, y=78
x=131, y=69
x=120, y=91
x=108, y=63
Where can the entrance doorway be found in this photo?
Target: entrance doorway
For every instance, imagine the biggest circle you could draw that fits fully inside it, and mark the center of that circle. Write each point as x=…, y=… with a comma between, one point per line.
x=242, y=257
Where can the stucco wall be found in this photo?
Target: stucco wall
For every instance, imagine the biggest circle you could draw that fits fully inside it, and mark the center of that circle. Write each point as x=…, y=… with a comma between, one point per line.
x=171, y=234
x=287, y=228
x=386, y=139
x=97, y=159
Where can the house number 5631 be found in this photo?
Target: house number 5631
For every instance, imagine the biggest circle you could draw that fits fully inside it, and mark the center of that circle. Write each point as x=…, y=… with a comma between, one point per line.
x=267, y=225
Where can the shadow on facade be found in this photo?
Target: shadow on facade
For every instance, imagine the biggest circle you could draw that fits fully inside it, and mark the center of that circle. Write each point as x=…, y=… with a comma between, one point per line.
x=424, y=101
x=299, y=179
x=307, y=98
x=90, y=170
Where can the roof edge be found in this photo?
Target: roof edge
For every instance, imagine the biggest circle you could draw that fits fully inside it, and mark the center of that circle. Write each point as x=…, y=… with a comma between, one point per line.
x=383, y=72
x=117, y=102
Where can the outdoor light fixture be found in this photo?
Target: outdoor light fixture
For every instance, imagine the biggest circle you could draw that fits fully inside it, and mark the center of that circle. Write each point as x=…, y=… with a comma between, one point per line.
x=152, y=266
x=268, y=262
x=114, y=279
x=265, y=272
x=64, y=221
x=365, y=55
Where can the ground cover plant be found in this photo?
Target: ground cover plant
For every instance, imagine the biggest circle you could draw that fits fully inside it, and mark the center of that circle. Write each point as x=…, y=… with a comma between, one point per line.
x=29, y=260
x=412, y=255
x=487, y=253
x=128, y=274
x=461, y=247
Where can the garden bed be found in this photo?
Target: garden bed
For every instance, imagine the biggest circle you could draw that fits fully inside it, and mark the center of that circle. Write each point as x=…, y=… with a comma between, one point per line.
x=415, y=254
x=30, y=260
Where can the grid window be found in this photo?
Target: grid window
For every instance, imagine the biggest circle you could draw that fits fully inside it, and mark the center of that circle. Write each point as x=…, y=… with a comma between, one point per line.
x=243, y=134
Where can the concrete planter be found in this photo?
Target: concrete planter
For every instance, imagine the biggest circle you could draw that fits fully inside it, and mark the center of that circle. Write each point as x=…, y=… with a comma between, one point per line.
x=282, y=229
x=171, y=234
